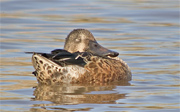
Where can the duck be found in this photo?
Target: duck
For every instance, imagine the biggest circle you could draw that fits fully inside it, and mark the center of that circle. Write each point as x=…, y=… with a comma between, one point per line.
x=83, y=60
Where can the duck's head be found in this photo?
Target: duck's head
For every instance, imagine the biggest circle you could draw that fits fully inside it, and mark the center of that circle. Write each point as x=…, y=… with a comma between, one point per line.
x=82, y=40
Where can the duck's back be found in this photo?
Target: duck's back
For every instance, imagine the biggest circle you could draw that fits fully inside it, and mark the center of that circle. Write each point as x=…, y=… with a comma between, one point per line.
x=96, y=70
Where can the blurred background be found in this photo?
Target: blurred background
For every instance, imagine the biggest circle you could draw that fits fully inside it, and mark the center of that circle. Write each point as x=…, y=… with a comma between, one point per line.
x=144, y=32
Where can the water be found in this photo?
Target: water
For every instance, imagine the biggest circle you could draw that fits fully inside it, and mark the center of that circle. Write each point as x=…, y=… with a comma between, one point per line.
x=144, y=32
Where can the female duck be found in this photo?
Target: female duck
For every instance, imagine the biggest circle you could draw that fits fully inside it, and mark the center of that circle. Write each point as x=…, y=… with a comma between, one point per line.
x=83, y=60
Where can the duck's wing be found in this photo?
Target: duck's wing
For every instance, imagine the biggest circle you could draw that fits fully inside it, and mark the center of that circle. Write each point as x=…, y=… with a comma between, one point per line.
x=69, y=59
x=63, y=57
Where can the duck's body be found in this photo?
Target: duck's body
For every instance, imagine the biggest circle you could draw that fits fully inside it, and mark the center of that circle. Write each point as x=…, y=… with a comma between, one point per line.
x=82, y=61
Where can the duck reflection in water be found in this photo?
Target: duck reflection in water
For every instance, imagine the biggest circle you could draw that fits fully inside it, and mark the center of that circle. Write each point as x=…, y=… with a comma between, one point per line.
x=78, y=94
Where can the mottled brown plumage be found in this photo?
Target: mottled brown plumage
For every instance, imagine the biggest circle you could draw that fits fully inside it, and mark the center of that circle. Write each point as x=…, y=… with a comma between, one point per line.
x=101, y=66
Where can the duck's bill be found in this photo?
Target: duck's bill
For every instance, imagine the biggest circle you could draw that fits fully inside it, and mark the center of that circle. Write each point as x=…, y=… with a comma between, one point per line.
x=98, y=50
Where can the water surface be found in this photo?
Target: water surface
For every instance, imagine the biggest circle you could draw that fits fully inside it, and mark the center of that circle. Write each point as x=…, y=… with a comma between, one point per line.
x=144, y=32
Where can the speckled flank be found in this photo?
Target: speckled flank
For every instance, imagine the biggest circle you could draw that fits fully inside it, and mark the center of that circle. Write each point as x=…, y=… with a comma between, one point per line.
x=105, y=70
x=97, y=70
x=49, y=72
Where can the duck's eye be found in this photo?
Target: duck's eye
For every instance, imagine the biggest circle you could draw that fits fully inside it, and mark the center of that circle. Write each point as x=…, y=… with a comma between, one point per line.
x=77, y=39
x=95, y=45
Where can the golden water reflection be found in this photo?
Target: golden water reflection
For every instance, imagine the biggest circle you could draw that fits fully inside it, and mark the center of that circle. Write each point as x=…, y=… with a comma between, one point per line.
x=78, y=94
